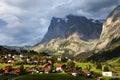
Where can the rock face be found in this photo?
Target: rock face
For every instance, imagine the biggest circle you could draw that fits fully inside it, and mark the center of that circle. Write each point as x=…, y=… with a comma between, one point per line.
x=62, y=28
x=111, y=30
x=72, y=34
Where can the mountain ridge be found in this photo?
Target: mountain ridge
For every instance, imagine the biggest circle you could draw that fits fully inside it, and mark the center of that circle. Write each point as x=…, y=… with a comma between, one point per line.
x=60, y=27
x=73, y=34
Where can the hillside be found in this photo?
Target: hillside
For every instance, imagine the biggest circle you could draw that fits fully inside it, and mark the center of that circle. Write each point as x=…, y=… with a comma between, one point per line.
x=107, y=54
x=110, y=30
x=108, y=46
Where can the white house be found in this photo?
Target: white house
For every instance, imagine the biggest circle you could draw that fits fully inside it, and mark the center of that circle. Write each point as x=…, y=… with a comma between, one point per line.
x=59, y=59
x=74, y=74
x=10, y=62
x=59, y=67
x=109, y=74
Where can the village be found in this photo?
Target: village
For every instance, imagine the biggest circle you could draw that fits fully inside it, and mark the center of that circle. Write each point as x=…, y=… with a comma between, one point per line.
x=41, y=64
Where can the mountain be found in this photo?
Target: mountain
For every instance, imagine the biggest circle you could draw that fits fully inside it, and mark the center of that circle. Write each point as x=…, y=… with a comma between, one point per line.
x=72, y=34
x=110, y=31
x=62, y=28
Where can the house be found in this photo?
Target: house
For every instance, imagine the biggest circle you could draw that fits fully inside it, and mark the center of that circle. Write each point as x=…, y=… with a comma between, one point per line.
x=7, y=69
x=70, y=71
x=59, y=59
x=87, y=72
x=10, y=70
x=59, y=67
x=47, y=70
x=73, y=72
x=109, y=73
x=10, y=62
x=16, y=71
x=100, y=78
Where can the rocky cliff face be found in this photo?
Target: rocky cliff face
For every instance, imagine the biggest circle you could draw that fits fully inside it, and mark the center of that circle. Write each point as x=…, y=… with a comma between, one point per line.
x=62, y=28
x=72, y=34
x=111, y=30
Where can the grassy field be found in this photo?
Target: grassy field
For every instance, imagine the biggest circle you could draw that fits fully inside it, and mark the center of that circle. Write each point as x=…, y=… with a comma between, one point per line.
x=6, y=77
x=2, y=66
x=83, y=65
x=53, y=76
x=14, y=66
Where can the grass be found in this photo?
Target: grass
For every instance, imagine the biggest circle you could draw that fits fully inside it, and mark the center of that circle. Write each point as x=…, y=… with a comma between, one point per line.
x=2, y=66
x=114, y=63
x=6, y=77
x=52, y=76
x=83, y=65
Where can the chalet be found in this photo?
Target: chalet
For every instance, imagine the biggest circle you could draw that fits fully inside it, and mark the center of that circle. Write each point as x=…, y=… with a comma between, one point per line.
x=33, y=69
x=109, y=73
x=7, y=69
x=87, y=72
x=100, y=78
x=47, y=70
x=60, y=67
x=16, y=71
x=17, y=57
x=59, y=59
x=47, y=67
x=10, y=70
x=10, y=62
x=73, y=72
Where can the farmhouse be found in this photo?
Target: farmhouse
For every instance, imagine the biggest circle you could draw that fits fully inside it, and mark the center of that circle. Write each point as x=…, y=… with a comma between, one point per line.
x=109, y=73
x=60, y=67
x=10, y=62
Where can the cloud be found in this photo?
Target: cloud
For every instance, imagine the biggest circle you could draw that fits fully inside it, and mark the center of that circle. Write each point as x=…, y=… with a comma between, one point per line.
x=26, y=21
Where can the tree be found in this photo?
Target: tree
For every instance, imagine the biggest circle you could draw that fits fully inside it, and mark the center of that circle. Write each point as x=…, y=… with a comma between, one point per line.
x=70, y=64
x=98, y=65
x=105, y=68
x=22, y=70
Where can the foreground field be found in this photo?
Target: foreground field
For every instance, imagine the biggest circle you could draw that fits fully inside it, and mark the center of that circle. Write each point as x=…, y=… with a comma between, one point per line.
x=7, y=77
x=53, y=76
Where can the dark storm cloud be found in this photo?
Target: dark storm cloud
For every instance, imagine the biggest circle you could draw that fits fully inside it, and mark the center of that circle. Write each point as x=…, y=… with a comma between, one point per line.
x=97, y=5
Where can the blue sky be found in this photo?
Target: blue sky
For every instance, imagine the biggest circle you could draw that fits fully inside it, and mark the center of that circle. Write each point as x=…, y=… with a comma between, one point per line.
x=25, y=22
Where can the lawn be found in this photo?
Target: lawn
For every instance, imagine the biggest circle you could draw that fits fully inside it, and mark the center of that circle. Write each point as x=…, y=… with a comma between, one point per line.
x=6, y=77
x=52, y=76
x=2, y=66
x=83, y=65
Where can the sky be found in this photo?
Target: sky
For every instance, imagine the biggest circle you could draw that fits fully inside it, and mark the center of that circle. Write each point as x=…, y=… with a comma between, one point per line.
x=25, y=22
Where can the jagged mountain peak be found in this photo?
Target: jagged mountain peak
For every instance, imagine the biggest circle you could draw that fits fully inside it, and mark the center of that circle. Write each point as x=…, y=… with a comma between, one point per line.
x=72, y=34
x=62, y=28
